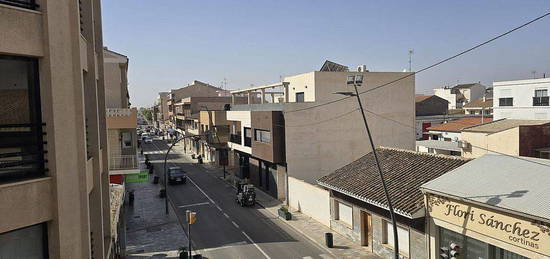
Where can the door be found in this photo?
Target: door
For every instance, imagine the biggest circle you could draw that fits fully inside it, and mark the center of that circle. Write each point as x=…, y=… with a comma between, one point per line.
x=366, y=230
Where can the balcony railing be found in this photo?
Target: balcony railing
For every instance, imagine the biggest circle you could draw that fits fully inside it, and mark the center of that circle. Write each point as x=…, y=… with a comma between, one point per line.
x=118, y=112
x=22, y=152
x=235, y=138
x=541, y=101
x=123, y=162
x=27, y=4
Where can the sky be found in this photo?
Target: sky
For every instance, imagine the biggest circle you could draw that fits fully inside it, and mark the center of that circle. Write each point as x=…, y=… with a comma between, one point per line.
x=170, y=43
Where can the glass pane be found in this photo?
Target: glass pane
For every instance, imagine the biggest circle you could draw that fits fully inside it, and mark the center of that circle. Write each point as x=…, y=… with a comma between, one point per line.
x=23, y=243
x=14, y=91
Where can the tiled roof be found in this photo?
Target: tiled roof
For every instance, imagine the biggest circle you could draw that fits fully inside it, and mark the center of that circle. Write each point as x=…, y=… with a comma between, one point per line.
x=461, y=86
x=458, y=125
x=479, y=103
x=420, y=97
x=404, y=171
x=503, y=124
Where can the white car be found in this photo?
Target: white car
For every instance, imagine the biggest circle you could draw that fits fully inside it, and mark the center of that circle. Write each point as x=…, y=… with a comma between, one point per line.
x=148, y=139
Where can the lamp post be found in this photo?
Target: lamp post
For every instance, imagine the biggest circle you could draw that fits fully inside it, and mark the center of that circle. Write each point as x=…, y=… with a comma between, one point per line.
x=357, y=80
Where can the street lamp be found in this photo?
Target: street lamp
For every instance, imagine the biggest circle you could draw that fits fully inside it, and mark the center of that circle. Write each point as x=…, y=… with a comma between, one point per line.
x=357, y=80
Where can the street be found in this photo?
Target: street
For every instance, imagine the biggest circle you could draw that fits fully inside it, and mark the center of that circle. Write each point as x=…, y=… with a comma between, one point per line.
x=224, y=229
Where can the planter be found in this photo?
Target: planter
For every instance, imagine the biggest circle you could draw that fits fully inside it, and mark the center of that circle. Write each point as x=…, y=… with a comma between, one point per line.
x=285, y=214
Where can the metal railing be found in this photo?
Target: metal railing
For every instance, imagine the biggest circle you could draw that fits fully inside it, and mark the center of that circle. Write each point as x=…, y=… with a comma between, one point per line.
x=28, y=4
x=123, y=162
x=22, y=152
x=235, y=138
x=118, y=112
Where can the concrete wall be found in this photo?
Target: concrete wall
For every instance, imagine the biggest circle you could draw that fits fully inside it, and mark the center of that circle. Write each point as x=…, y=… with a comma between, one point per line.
x=113, y=89
x=506, y=142
x=446, y=94
x=323, y=139
x=533, y=137
x=301, y=83
x=22, y=31
x=523, y=92
x=310, y=200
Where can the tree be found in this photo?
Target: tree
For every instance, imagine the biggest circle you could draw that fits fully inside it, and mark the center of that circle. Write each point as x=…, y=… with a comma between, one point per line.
x=147, y=113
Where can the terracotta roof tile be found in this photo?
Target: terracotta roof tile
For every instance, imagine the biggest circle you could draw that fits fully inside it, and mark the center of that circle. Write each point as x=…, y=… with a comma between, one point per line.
x=420, y=98
x=458, y=125
x=404, y=171
x=479, y=103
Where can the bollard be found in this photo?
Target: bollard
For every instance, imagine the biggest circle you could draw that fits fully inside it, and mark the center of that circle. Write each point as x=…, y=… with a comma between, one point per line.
x=328, y=240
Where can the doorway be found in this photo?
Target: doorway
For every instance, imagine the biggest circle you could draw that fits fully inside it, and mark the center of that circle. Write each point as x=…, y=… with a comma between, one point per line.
x=366, y=230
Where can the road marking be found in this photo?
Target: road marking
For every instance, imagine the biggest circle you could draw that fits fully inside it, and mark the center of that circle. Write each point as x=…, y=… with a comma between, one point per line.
x=307, y=257
x=227, y=216
x=195, y=204
x=220, y=209
x=256, y=245
x=235, y=224
x=325, y=256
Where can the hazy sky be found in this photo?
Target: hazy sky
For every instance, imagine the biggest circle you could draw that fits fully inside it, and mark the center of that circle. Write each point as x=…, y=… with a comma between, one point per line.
x=172, y=42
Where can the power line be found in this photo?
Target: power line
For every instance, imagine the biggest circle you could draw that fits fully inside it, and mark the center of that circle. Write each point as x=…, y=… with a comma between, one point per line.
x=433, y=65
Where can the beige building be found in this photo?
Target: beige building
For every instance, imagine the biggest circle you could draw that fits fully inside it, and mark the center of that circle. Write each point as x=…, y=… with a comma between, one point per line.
x=54, y=175
x=320, y=138
x=512, y=137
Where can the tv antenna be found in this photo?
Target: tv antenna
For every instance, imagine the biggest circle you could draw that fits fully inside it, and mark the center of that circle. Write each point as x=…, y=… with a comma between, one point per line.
x=411, y=52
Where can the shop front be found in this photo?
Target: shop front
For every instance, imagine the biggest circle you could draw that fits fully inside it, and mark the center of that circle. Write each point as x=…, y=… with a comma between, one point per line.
x=493, y=212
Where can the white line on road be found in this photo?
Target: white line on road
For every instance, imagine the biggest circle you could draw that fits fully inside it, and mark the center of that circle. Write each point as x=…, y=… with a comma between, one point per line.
x=256, y=245
x=195, y=204
x=235, y=224
x=307, y=257
x=325, y=256
x=225, y=214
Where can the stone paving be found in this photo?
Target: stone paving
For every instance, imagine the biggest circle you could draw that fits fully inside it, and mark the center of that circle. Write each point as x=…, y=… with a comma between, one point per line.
x=307, y=226
x=150, y=233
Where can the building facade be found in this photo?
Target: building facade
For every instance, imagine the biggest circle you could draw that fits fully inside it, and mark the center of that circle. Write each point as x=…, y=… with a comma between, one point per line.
x=522, y=99
x=54, y=175
x=460, y=94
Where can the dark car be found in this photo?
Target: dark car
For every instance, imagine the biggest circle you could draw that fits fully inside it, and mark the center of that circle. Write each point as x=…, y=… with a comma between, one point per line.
x=176, y=175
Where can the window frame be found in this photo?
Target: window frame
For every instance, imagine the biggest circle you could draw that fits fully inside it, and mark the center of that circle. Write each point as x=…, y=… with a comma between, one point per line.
x=337, y=216
x=386, y=229
x=259, y=135
x=502, y=102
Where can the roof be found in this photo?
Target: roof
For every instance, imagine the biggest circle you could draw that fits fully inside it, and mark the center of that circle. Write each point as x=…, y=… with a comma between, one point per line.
x=458, y=125
x=331, y=66
x=404, y=171
x=439, y=144
x=422, y=97
x=517, y=184
x=479, y=103
x=503, y=124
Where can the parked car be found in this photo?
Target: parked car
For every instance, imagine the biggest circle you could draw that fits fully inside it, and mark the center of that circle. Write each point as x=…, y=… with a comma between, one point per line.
x=176, y=175
x=148, y=139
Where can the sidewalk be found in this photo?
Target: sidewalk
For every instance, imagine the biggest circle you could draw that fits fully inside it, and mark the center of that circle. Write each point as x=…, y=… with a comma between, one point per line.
x=150, y=233
x=307, y=226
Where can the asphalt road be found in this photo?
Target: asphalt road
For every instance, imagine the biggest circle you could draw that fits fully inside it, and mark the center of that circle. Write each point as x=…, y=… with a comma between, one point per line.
x=224, y=229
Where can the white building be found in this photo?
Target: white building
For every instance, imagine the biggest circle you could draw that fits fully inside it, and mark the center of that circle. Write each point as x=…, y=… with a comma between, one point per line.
x=459, y=95
x=522, y=99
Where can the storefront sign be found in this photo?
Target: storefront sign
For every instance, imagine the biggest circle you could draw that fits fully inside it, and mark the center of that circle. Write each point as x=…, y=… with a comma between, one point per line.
x=531, y=235
x=140, y=177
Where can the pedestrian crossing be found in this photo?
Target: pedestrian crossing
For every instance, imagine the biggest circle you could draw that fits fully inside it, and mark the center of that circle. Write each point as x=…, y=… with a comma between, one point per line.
x=155, y=152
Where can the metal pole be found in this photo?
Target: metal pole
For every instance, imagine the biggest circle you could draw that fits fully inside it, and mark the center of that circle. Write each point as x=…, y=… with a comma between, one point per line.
x=390, y=206
x=189, y=238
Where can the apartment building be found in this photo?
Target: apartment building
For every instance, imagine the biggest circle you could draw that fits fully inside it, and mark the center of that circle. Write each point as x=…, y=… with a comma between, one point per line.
x=318, y=138
x=215, y=127
x=460, y=94
x=522, y=99
x=54, y=175
x=160, y=115
x=121, y=119
x=507, y=136
x=482, y=106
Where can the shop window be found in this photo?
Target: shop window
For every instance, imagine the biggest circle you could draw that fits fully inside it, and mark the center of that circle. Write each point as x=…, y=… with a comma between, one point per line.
x=344, y=213
x=402, y=236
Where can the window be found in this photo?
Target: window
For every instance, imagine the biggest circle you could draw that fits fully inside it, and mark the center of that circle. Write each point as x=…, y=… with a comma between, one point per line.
x=126, y=139
x=28, y=242
x=402, y=236
x=541, y=98
x=262, y=135
x=300, y=97
x=344, y=213
x=507, y=101
x=247, y=137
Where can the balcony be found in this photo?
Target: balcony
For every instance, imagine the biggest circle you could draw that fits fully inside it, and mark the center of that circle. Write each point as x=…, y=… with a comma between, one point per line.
x=22, y=152
x=121, y=118
x=235, y=138
x=27, y=4
x=118, y=163
x=541, y=101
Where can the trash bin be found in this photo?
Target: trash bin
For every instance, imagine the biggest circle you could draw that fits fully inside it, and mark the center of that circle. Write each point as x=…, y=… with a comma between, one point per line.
x=328, y=240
